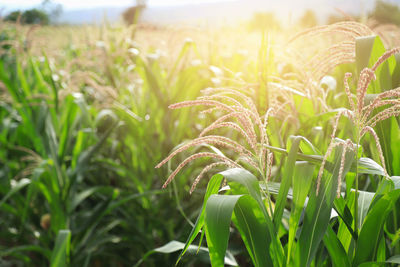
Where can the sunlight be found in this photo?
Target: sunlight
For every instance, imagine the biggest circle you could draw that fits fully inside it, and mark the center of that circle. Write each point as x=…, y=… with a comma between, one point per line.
x=199, y=133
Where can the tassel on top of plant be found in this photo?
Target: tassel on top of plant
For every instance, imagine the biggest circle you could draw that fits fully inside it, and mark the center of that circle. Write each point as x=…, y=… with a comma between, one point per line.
x=360, y=114
x=240, y=116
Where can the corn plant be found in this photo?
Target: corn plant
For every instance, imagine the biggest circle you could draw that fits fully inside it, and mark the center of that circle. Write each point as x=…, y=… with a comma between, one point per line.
x=76, y=150
x=297, y=215
x=302, y=164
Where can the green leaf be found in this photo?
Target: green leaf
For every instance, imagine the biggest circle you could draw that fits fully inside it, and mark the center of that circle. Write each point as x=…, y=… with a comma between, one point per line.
x=88, y=154
x=335, y=249
x=372, y=228
x=79, y=198
x=251, y=184
x=365, y=165
x=394, y=259
x=218, y=216
x=396, y=181
x=364, y=202
x=318, y=211
x=396, y=72
x=363, y=51
x=212, y=188
x=19, y=185
x=368, y=50
x=372, y=264
x=61, y=251
x=286, y=179
x=30, y=248
x=343, y=210
x=174, y=246
x=250, y=222
x=153, y=84
x=302, y=179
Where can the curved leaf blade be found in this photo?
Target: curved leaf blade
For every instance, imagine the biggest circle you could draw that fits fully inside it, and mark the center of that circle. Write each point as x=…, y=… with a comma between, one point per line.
x=212, y=188
x=60, y=254
x=218, y=215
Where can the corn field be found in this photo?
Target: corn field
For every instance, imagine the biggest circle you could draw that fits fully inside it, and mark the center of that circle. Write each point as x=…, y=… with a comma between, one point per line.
x=135, y=146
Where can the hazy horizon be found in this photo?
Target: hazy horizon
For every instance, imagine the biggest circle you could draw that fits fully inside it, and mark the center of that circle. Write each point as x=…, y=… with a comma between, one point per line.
x=177, y=11
x=68, y=5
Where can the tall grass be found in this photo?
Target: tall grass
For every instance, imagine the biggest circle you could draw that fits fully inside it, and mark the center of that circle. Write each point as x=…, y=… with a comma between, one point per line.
x=284, y=213
x=84, y=124
x=79, y=144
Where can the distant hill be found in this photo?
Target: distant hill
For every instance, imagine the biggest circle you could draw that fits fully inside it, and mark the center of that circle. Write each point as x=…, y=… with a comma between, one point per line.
x=220, y=12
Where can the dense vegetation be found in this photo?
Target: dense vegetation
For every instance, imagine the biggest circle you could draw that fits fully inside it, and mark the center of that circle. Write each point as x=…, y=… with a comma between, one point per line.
x=78, y=148
x=83, y=127
x=31, y=16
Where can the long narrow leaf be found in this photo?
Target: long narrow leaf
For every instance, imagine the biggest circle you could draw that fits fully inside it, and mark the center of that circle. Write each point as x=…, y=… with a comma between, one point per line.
x=318, y=212
x=218, y=215
x=212, y=188
x=61, y=251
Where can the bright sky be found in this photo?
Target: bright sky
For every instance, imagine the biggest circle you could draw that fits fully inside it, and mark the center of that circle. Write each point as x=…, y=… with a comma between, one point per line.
x=78, y=4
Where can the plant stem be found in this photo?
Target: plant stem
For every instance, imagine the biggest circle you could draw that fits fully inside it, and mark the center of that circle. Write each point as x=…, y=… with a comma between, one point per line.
x=268, y=195
x=356, y=186
x=178, y=204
